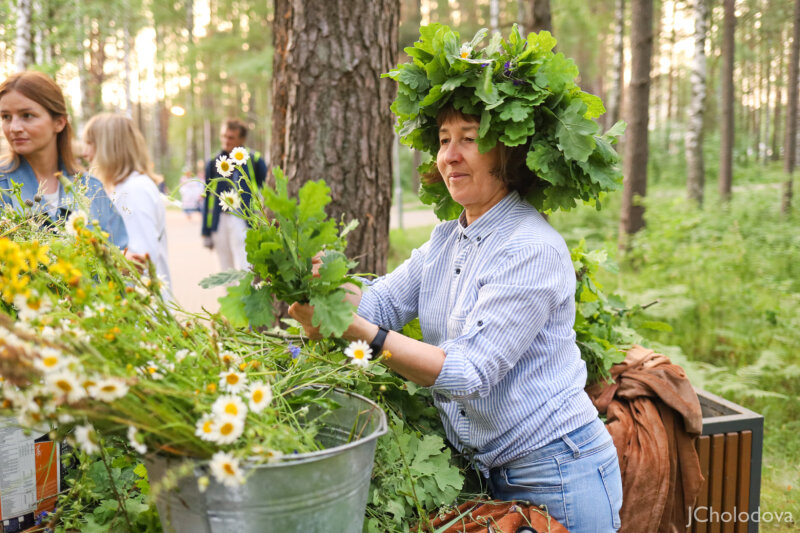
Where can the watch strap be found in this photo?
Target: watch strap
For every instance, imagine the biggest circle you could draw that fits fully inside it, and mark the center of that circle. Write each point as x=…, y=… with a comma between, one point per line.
x=377, y=343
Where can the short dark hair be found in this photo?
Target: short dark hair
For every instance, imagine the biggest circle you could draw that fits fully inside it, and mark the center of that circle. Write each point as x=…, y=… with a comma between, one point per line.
x=236, y=124
x=511, y=168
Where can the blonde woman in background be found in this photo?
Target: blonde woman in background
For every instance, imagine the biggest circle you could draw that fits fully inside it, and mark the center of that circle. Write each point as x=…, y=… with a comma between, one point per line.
x=118, y=155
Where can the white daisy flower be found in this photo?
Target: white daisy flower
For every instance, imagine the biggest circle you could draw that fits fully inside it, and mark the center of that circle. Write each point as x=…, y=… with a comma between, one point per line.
x=108, y=389
x=230, y=201
x=465, y=51
x=87, y=439
x=134, y=442
x=232, y=381
x=151, y=370
x=359, y=352
x=225, y=469
x=77, y=220
x=229, y=406
x=32, y=306
x=259, y=395
x=239, y=155
x=227, y=429
x=65, y=385
x=229, y=358
x=273, y=456
x=180, y=355
x=206, y=428
x=224, y=167
x=51, y=359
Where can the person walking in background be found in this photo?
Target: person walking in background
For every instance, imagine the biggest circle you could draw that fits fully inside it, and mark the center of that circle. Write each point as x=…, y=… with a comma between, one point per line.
x=39, y=135
x=221, y=230
x=191, y=189
x=118, y=155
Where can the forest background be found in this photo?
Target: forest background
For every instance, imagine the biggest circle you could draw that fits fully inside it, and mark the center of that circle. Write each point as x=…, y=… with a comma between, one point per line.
x=703, y=231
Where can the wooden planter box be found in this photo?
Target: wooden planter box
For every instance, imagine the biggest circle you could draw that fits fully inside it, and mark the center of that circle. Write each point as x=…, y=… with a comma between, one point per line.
x=730, y=451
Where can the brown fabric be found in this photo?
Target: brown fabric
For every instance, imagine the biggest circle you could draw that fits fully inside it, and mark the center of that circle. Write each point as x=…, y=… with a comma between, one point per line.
x=654, y=417
x=498, y=517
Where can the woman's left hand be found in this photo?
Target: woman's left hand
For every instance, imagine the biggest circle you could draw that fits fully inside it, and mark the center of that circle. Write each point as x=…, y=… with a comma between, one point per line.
x=303, y=314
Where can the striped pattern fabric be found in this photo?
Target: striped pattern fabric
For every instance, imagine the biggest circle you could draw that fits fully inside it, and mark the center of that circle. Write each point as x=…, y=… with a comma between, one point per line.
x=498, y=296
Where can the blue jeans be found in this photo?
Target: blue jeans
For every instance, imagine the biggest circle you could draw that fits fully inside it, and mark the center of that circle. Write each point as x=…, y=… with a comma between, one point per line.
x=576, y=477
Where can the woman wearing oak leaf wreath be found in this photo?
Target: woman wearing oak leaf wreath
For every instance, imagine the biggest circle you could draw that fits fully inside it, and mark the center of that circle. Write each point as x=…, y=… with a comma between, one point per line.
x=494, y=292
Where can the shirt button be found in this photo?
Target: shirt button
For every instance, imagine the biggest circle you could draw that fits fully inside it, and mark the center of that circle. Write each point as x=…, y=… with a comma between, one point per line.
x=462, y=412
x=478, y=239
x=458, y=271
x=480, y=323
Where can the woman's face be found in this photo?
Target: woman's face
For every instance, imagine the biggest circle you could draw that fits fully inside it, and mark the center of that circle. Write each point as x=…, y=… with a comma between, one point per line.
x=27, y=125
x=89, y=150
x=467, y=173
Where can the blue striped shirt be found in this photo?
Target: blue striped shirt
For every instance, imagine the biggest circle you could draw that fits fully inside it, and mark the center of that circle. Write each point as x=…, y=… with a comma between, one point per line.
x=498, y=296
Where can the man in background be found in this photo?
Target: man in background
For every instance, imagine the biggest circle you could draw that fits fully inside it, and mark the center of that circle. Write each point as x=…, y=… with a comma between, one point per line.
x=224, y=231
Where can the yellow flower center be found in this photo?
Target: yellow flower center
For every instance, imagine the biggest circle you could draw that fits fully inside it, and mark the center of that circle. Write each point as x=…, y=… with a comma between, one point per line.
x=232, y=379
x=464, y=55
x=358, y=354
x=258, y=395
x=50, y=362
x=208, y=426
x=228, y=468
x=226, y=428
x=231, y=409
x=242, y=366
x=64, y=385
x=108, y=388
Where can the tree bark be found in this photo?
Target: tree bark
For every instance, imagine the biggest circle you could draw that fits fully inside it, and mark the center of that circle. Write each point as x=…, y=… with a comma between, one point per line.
x=727, y=112
x=22, y=42
x=695, y=166
x=789, y=146
x=538, y=16
x=614, y=99
x=331, y=116
x=776, y=123
x=637, y=116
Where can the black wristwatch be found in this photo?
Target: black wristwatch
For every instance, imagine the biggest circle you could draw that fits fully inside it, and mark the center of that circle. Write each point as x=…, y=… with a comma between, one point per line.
x=377, y=343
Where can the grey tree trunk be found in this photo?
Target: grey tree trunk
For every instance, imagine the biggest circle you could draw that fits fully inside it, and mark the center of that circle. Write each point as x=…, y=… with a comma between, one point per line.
x=126, y=51
x=776, y=123
x=331, y=116
x=727, y=111
x=614, y=100
x=695, y=166
x=789, y=146
x=22, y=43
x=494, y=16
x=637, y=117
x=538, y=16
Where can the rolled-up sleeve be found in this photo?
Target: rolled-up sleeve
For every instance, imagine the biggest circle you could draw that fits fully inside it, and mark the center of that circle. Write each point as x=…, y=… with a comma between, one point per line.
x=513, y=306
x=392, y=300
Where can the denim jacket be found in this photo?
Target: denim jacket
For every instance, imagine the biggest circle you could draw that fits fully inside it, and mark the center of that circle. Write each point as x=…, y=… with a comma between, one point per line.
x=100, y=209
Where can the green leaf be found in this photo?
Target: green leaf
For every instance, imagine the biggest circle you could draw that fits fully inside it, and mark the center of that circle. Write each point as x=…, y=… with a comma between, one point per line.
x=454, y=82
x=313, y=197
x=232, y=305
x=258, y=308
x=515, y=110
x=413, y=76
x=575, y=132
x=334, y=267
x=594, y=105
x=486, y=90
x=222, y=278
x=332, y=313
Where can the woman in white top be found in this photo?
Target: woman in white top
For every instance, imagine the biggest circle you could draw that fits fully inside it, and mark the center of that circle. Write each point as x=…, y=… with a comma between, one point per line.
x=118, y=155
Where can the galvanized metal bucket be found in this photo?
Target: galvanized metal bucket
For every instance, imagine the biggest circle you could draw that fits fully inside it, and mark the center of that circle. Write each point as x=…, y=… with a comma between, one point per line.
x=319, y=492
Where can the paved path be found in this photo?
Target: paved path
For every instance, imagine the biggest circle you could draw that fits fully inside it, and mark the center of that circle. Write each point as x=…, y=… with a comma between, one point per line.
x=189, y=262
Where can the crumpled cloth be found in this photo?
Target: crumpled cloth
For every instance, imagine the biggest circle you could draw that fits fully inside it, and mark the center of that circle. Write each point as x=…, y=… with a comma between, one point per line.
x=654, y=417
x=499, y=517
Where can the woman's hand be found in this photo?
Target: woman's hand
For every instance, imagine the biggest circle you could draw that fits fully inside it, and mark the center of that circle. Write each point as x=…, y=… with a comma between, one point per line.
x=303, y=313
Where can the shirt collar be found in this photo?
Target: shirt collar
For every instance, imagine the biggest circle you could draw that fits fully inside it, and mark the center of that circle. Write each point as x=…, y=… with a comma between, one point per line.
x=485, y=224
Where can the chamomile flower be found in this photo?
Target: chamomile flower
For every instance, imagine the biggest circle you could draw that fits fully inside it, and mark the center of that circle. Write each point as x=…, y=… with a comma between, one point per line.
x=108, y=389
x=466, y=50
x=32, y=306
x=225, y=469
x=239, y=155
x=76, y=222
x=229, y=358
x=259, y=396
x=232, y=381
x=140, y=447
x=359, y=352
x=224, y=167
x=227, y=429
x=51, y=359
x=230, y=201
x=87, y=439
x=65, y=385
x=206, y=428
x=151, y=370
x=180, y=355
x=229, y=406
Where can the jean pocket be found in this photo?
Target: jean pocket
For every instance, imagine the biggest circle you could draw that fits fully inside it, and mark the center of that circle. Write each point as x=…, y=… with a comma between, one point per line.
x=612, y=481
x=541, y=476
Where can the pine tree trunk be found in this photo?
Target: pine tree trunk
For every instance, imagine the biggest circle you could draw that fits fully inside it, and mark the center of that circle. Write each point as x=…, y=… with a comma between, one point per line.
x=494, y=16
x=22, y=43
x=614, y=100
x=695, y=166
x=538, y=16
x=671, y=81
x=331, y=117
x=637, y=116
x=727, y=124
x=789, y=147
